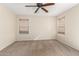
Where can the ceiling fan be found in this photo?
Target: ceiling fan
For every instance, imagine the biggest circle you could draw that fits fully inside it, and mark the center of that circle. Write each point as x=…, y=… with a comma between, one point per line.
x=40, y=5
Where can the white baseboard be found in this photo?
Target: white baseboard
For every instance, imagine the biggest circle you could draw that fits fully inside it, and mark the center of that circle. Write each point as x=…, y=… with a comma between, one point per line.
x=33, y=39
x=6, y=45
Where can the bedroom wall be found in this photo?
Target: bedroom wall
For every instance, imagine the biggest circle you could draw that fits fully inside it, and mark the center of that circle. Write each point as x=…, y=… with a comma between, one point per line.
x=40, y=28
x=7, y=27
x=71, y=27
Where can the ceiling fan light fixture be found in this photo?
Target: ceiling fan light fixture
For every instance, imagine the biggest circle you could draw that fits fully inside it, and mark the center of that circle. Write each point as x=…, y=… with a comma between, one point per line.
x=41, y=5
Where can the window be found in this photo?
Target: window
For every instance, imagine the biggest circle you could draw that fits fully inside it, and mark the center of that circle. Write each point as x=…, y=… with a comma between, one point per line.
x=23, y=26
x=61, y=25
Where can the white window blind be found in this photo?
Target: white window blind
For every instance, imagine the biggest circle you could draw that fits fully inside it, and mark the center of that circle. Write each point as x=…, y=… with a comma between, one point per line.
x=24, y=26
x=61, y=25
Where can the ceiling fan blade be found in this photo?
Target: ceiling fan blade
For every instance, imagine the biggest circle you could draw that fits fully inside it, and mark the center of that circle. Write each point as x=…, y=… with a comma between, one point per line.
x=44, y=10
x=36, y=10
x=48, y=4
x=30, y=5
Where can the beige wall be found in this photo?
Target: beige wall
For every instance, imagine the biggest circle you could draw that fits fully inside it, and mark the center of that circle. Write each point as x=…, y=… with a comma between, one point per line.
x=71, y=27
x=40, y=27
x=7, y=27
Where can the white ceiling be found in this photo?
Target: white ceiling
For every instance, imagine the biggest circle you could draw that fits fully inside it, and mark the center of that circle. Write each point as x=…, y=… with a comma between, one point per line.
x=20, y=9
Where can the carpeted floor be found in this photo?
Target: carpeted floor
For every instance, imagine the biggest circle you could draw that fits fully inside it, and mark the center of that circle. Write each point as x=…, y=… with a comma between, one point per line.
x=39, y=48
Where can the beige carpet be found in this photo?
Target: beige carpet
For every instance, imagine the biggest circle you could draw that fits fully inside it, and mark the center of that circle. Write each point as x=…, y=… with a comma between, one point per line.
x=39, y=48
